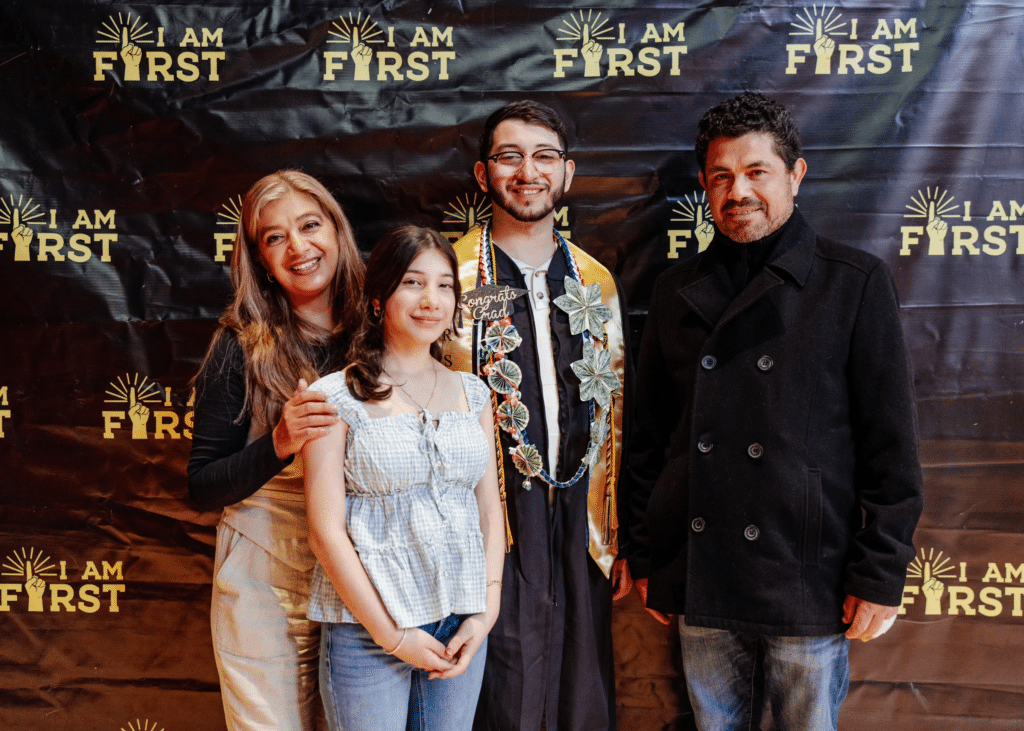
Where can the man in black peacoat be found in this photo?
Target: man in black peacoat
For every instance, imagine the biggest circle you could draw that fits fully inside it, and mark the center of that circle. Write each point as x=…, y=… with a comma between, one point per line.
x=774, y=475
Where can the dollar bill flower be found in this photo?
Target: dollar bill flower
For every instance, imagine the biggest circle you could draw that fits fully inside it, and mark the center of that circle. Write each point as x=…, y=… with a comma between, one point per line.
x=584, y=307
x=597, y=379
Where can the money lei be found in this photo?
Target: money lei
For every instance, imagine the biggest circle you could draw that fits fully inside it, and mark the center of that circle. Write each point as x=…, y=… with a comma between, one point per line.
x=587, y=314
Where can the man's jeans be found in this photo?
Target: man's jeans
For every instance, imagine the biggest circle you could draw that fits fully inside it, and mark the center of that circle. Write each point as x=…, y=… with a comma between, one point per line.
x=365, y=689
x=741, y=680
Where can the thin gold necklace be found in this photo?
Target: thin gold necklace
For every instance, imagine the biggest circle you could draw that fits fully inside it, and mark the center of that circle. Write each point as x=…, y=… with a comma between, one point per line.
x=409, y=395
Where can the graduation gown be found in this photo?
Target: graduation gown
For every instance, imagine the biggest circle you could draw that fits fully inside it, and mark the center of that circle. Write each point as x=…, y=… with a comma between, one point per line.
x=550, y=652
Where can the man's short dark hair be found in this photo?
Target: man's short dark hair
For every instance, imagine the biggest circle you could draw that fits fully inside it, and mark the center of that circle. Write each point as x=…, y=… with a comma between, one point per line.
x=527, y=111
x=749, y=112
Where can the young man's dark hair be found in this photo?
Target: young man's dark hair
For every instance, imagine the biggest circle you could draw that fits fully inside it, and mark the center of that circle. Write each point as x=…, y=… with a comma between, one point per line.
x=528, y=111
x=749, y=112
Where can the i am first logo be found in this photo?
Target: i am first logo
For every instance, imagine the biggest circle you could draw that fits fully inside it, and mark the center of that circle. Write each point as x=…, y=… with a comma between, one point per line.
x=134, y=38
x=893, y=43
x=660, y=48
x=24, y=216
x=949, y=589
x=140, y=398
x=369, y=57
x=999, y=234
x=43, y=586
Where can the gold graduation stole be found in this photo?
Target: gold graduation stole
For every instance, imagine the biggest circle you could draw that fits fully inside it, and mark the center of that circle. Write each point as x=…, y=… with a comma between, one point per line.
x=602, y=513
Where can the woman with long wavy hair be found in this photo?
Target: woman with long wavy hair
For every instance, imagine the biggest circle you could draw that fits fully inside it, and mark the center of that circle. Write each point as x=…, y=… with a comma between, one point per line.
x=297, y=278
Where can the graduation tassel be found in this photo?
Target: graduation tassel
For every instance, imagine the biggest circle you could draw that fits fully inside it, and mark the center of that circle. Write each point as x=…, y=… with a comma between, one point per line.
x=609, y=530
x=501, y=476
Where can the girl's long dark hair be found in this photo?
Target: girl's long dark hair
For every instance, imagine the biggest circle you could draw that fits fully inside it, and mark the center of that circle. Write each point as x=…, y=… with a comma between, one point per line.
x=389, y=261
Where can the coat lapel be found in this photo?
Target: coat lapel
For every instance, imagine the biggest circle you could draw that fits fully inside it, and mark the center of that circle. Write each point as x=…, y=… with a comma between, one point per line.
x=710, y=295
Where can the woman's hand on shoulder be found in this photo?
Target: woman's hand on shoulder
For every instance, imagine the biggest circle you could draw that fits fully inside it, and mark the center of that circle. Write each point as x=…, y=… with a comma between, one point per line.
x=306, y=415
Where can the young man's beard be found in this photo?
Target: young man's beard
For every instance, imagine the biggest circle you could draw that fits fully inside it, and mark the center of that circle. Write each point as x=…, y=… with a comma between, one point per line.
x=500, y=198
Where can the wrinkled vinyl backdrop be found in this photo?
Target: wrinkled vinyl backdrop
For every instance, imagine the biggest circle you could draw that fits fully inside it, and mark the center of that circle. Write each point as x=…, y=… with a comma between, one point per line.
x=130, y=131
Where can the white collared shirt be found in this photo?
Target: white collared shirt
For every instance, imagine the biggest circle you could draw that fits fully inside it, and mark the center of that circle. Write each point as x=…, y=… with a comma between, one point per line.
x=537, y=284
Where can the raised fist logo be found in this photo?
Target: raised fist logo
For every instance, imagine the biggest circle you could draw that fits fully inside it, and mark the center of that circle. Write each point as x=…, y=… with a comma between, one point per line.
x=468, y=213
x=31, y=566
x=132, y=57
x=135, y=393
x=362, y=55
x=704, y=230
x=822, y=23
x=692, y=209
x=138, y=412
x=360, y=32
x=126, y=32
x=932, y=568
x=34, y=587
x=936, y=230
x=932, y=204
x=824, y=47
x=22, y=236
x=933, y=590
x=590, y=28
x=592, y=52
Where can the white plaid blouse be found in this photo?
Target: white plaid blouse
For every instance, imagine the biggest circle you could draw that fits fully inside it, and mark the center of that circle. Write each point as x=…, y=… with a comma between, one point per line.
x=411, y=508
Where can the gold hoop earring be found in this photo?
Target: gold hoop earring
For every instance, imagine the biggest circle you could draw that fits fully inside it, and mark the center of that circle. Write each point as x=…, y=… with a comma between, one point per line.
x=376, y=311
x=270, y=278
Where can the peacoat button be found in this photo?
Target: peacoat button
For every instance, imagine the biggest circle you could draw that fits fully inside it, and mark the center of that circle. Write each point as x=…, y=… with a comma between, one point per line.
x=697, y=525
x=708, y=362
x=751, y=533
x=705, y=446
x=755, y=450
x=765, y=363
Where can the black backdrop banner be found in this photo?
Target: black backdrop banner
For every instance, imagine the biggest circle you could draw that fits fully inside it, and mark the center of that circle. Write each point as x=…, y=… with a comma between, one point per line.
x=129, y=133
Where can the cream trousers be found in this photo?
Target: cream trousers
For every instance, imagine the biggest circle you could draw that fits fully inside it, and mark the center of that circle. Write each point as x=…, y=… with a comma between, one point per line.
x=267, y=651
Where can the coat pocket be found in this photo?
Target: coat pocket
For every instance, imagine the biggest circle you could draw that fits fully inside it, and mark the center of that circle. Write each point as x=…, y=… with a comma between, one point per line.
x=812, y=518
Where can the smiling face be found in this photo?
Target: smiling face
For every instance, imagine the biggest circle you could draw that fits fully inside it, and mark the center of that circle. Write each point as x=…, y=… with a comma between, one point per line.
x=749, y=188
x=422, y=307
x=298, y=246
x=525, y=194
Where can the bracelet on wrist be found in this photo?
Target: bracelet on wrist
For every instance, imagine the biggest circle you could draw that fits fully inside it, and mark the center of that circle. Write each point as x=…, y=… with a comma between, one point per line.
x=400, y=641
x=492, y=582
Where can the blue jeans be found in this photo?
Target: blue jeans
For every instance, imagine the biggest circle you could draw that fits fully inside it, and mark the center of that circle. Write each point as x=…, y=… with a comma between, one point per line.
x=366, y=690
x=741, y=680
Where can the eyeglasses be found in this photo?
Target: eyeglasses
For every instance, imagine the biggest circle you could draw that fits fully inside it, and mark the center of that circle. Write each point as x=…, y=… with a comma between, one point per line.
x=543, y=160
